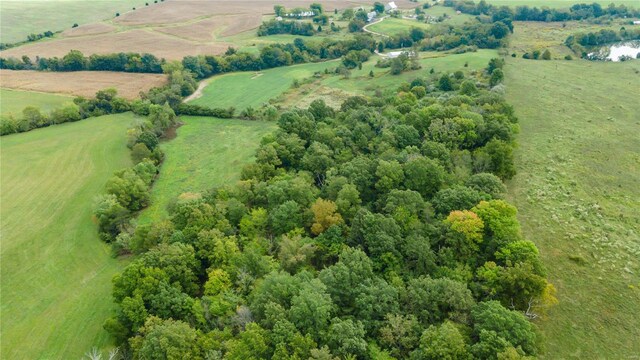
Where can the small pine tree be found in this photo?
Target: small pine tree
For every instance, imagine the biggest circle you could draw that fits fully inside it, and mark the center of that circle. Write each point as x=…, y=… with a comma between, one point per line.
x=319, y=28
x=371, y=73
x=546, y=55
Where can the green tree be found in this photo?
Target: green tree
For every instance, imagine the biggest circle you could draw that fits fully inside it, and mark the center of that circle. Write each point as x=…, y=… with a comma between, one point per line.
x=424, y=175
x=509, y=325
x=434, y=300
x=546, y=55
x=444, y=83
x=442, y=342
x=496, y=77
x=311, y=309
x=346, y=338
x=166, y=339
x=139, y=152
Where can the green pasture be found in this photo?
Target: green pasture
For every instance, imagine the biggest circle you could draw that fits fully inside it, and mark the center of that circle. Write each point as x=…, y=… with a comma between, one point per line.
x=578, y=195
x=12, y=102
x=56, y=273
x=20, y=18
x=392, y=26
x=559, y=3
x=207, y=152
x=244, y=89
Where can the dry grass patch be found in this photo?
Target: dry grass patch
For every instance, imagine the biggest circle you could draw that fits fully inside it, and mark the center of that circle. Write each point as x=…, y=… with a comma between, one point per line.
x=138, y=40
x=80, y=83
x=89, y=29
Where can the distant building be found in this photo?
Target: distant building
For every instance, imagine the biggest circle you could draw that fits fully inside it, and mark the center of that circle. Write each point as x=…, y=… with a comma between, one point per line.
x=301, y=14
x=371, y=16
x=391, y=7
x=636, y=22
x=279, y=18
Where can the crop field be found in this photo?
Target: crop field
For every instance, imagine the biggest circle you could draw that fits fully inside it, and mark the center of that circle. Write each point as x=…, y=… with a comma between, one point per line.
x=81, y=83
x=392, y=26
x=56, y=273
x=207, y=152
x=233, y=89
x=578, y=198
x=20, y=18
x=171, y=29
x=12, y=102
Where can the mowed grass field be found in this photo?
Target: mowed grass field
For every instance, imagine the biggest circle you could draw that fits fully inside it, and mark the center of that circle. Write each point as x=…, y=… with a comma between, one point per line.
x=56, y=273
x=207, y=152
x=12, y=102
x=578, y=195
x=393, y=26
x=244, y=89
x=20, y=18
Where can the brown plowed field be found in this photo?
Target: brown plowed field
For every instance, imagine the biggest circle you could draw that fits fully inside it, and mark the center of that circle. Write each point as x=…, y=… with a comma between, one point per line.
x=80, y=83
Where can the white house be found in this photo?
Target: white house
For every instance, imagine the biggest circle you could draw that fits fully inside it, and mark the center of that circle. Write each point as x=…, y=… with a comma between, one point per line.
x=371, y=16
x=391, y=6
x=278, y=18
x=636, y=22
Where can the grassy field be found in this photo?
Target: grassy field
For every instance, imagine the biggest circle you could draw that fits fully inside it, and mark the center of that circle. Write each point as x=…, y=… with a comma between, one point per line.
x=578, y=195
x=392, y=26
x=559, y=3
x=245, y=89
x=12, y=102
x=21, y=18
x=56, y=273
x=207, y=152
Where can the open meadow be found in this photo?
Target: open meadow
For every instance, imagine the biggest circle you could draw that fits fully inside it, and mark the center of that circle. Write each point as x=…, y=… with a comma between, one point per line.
x=80, y=83
x=207, y=152
x=393, y=26
x=56, y=273
x=12, y=102
x=578, y=195
x=233, y=89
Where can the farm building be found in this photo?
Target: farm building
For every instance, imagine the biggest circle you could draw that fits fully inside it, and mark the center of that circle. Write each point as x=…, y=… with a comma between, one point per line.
x=371, y=16
x=636, y=22
x=391, y=6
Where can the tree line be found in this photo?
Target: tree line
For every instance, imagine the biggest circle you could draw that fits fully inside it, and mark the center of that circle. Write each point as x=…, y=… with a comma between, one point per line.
x=579, y=11
x=377, y=230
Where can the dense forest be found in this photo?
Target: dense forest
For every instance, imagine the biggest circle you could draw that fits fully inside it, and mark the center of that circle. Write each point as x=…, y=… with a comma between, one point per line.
x=374, y=231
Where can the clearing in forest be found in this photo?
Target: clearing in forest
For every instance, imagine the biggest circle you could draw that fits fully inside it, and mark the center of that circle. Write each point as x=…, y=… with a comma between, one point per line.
x=207, y=152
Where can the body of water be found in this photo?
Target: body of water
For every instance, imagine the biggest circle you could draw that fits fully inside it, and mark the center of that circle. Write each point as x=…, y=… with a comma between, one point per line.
x=618, y=51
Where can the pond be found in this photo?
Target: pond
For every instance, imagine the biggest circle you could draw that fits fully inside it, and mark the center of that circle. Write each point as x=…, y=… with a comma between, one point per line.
x=619, y=51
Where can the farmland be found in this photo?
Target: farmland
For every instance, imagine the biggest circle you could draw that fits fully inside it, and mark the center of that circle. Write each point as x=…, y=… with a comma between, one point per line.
x=55, y=271
x=171, y=29
x=578, y=198
x=21, y=18
x=12, y=102
x=81, y=83
x=207, y=152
